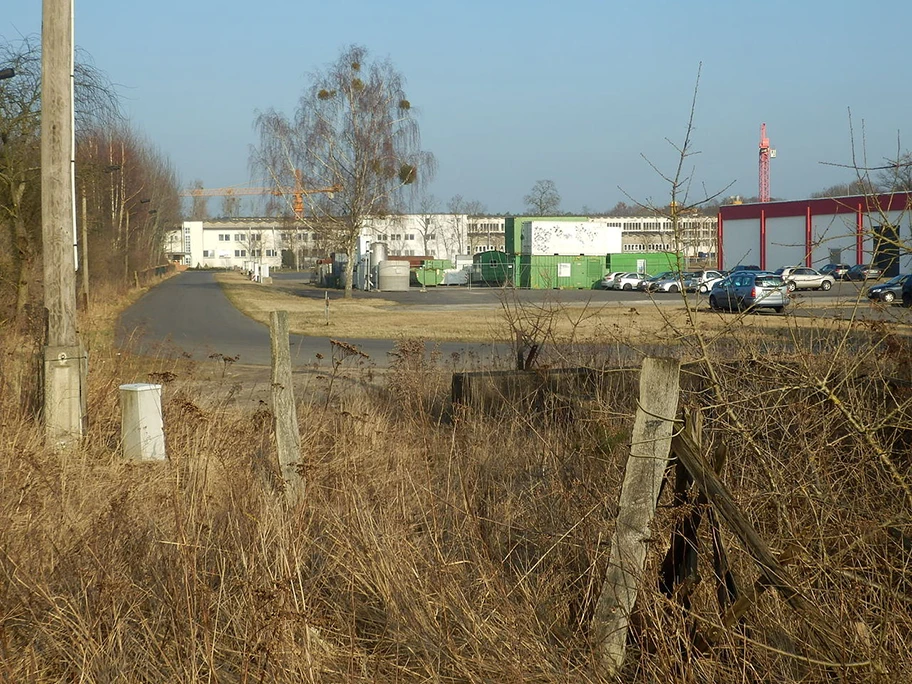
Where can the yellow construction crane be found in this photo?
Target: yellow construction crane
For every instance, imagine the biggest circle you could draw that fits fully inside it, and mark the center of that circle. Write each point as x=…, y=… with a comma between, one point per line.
x=298, y=192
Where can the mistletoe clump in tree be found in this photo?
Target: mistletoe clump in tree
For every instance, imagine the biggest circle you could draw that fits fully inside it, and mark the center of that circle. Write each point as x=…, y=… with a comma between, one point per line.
x=354, y=133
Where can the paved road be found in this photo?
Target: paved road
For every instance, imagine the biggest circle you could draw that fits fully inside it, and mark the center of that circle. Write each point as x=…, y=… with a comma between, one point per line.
x=189, y=314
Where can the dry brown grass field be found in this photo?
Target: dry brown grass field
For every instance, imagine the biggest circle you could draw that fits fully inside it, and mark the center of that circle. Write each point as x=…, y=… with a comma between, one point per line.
x=435, y=543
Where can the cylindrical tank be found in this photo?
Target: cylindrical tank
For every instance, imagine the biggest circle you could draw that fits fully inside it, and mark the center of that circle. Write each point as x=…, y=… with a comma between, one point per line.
x=378, y=252
x=393, y=276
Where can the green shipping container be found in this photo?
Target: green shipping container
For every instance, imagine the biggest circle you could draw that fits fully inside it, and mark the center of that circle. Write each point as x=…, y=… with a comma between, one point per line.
x=561, y=272
x=492, y=268
x=652, y=263
x=431, y=273
x=513, y=234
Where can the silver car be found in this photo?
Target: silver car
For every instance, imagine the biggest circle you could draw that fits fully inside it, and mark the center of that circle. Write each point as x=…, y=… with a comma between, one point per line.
x=749, y=290
x=804, y=278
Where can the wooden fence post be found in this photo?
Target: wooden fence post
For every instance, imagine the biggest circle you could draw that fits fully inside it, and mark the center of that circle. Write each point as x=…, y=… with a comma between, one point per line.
x=649, y=455
x=288, y=439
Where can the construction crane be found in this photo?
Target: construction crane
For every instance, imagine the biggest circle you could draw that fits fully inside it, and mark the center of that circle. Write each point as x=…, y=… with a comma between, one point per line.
x=297, y=193
x=766, y=153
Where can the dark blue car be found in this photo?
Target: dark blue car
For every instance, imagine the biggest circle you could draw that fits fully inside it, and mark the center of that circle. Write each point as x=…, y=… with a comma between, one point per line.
x=890, y=290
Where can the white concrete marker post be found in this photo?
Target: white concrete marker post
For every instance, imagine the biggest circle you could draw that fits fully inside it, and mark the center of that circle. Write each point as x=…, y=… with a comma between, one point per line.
x=142, y=429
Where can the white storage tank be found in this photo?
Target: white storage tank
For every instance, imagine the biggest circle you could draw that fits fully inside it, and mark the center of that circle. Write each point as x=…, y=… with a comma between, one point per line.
x=393, y=276
x=378, y=252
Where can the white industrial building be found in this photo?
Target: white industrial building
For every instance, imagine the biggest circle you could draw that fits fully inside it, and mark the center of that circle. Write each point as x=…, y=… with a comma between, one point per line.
x=235, y=242
x=695, y=237
x=814, y=232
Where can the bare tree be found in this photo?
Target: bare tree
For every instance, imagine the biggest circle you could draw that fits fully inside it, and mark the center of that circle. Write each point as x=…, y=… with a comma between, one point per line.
x=455, y=232
x=897, y=176
x=475, y=208
x=353, y=132
x=427, y=207
x=543, y=199
x=20, y=156
x=199, y=209
x=855, y=187
x=231, y=206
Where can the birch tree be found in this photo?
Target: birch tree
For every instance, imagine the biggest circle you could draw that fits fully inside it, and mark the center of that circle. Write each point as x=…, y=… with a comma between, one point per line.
x=350, y=149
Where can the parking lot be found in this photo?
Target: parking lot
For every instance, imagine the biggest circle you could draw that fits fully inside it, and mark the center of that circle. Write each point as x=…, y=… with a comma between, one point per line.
x=843, y=294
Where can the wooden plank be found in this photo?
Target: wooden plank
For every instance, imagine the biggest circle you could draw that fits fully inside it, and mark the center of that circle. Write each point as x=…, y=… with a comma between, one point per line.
x=772, y=570
x=649, y=455
x=288, y=438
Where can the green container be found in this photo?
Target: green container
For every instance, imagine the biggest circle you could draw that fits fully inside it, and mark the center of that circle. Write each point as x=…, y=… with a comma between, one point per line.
x=653, y=262
x=513, y=234
x=493, y=268
x=431, y=272
x=560, y=272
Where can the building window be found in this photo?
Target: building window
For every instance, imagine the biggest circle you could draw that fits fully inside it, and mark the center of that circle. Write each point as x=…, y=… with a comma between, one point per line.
x=409, y=236
x=224, y=237
x=256, y=237
x=240, y=252
x=313, y=236
x=238, y=237
x=271, y=253
x=207, y=253
x=256, y=252
x=396, y=236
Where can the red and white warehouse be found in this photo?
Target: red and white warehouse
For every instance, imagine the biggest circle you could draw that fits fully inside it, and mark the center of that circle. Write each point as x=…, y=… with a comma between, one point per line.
x=852, y=230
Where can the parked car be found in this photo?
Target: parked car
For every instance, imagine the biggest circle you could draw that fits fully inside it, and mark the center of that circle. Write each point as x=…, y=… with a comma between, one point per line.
x=646, y=284
x=863, y=272
x=838, y=271
x=628, y=281
x=890, y=290
x=743, y=267
x=907, y=293
x=671, y=282
x=804, y=278
x=749, y=290
x=697, y=280
x=608, y=280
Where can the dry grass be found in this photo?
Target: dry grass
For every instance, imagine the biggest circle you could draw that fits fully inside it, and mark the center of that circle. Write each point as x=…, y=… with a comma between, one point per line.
x=455, y=546
x=666, y=318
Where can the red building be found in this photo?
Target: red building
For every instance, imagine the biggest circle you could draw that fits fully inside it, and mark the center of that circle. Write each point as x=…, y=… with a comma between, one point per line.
x=873, y=229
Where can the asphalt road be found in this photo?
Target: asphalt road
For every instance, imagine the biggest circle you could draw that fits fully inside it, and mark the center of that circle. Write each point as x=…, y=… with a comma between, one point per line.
x=190, y=315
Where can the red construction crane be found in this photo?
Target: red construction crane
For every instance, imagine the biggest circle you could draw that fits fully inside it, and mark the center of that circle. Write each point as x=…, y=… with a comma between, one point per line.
x=765, y=154
x=297, y=193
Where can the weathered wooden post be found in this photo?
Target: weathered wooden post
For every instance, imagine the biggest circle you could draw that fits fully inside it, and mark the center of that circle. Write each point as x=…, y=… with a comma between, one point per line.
x=288, y=439
x=649, y=455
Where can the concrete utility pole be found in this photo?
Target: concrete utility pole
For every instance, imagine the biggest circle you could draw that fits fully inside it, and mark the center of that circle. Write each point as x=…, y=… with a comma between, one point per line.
x=64, y=358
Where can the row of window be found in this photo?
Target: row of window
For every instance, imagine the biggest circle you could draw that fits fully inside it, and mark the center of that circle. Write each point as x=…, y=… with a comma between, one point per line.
x=211, y=253
x=647, y=248
x=240, y=237
x=298, y=236
x=397, y=237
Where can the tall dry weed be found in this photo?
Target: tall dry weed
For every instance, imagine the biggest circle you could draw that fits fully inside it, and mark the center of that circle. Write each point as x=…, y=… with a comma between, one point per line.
x=457, y=545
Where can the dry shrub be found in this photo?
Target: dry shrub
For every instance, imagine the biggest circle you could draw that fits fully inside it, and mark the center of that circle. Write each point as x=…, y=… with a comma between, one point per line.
x=454, y=546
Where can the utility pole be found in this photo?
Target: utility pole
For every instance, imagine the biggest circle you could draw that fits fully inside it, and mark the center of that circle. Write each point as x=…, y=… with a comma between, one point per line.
x=64, y=358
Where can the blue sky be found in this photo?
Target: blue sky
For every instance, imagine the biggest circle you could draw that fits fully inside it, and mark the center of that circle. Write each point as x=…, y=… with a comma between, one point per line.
x=512, y=92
